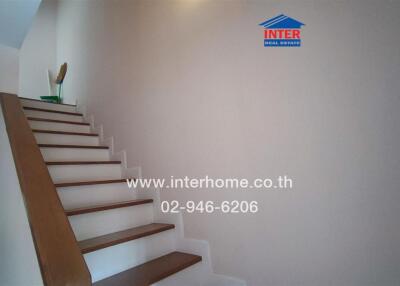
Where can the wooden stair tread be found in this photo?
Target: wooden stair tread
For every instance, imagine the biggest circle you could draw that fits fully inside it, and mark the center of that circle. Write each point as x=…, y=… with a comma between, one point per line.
x=152, y=271
x=52, y=111
x=72, y=184
x=33, y=99
x=82, y=163
x=96, y=243
x=63, y=132
x=105, y=207
x=57, y=121
x=71, y=146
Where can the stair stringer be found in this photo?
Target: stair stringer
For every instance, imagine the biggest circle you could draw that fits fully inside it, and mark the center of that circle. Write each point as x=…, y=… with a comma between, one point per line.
x=200, y=274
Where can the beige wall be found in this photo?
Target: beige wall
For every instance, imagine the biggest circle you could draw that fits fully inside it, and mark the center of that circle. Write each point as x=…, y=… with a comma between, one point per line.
x=188, y=89
x=38, y=52
x=8, y=69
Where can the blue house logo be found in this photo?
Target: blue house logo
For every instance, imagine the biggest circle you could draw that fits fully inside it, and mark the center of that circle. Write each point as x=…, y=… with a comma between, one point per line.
x=282, y=31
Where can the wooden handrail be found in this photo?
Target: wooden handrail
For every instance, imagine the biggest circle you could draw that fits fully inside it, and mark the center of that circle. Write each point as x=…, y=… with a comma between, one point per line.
x=60, y=259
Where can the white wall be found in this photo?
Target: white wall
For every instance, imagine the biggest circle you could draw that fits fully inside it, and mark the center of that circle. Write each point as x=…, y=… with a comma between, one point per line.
x=188, y=89
x=8, y=69
x=38, y=52
x=18, y=263
x=15, y=20
x=88, y=44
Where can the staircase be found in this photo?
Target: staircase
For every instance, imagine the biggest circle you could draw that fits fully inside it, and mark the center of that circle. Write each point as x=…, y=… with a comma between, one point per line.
x=116, y=228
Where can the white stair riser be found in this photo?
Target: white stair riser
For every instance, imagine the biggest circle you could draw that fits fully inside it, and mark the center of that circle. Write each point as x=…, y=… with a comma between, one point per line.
x=109, y=221
x=63, y=139
x=221, y=280
x=54, y=126
x=112, y=260
x=47, y=105
x=52, y=115
x=75, y=154
x=191, y=276
x=80, y=196
x=78, y=173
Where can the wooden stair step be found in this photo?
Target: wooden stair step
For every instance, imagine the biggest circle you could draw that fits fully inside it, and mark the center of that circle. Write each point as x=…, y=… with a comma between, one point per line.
x=105, y=207
x=87, y=183
x=57, y=121
x=81, y=163
x=52, y=111
x=63, y=132
x=152, y=271
x=33, y=99
x=100, y=242
x=71, y=146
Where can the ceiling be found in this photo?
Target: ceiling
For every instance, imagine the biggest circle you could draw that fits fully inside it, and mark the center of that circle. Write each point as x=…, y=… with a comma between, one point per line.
x=16, y=17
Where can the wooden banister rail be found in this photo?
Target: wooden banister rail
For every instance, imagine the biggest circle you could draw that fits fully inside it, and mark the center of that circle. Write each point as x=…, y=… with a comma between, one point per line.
x=60, y=259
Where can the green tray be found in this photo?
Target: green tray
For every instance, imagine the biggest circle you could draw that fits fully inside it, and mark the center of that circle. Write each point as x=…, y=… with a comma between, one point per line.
x=53, y=98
